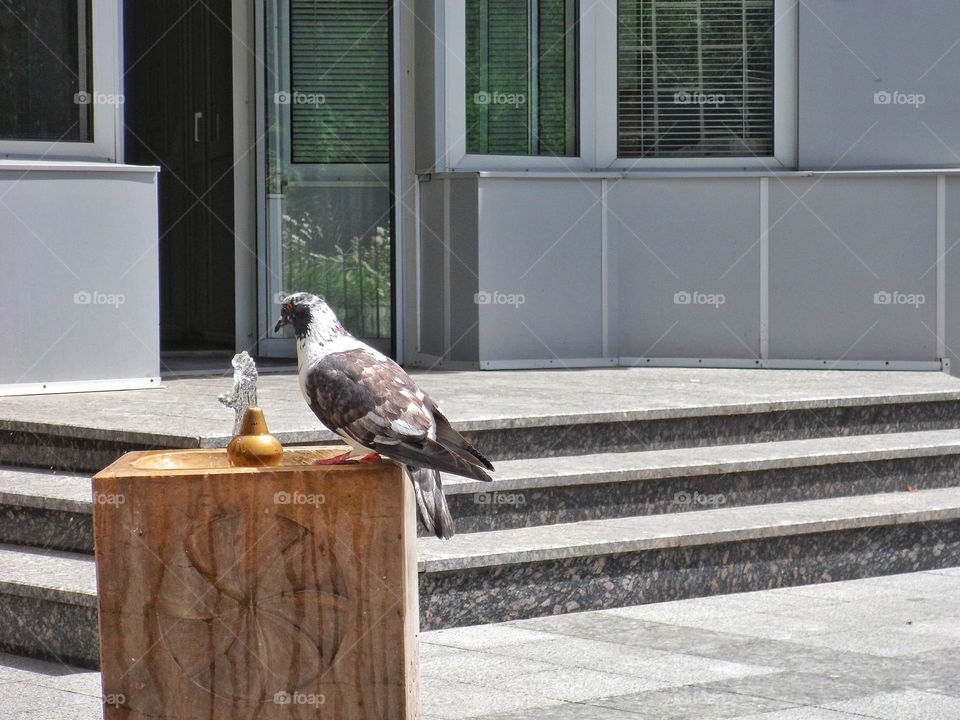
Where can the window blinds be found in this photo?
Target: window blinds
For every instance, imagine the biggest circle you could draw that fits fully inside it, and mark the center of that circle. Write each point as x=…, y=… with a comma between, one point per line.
x=340, y=81
x=695, y=78
x=521, y=76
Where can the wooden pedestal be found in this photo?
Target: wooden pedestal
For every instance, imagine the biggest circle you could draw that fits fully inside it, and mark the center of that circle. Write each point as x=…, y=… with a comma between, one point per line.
x=256, y=593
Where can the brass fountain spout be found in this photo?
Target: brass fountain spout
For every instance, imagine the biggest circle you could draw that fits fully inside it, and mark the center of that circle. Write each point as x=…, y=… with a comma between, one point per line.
x=252, y=444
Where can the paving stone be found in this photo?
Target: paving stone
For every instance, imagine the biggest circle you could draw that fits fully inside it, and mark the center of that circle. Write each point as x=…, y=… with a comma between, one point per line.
x=477, y=637
x=26, y=701
x=568, y=711
x=480, y=668
x=51, y=675
x=803, y=713
x=904, y=705
x=787, y=655
x=905, y=585
x=946, y=627
x=902, y=611
x=575, y=684
x=801, y=688
x=453, y=700
x=689, y=702
x=889, y=641
x=937, y=670
x=782, y=601
x=581, y=653
x=618, y=626
x=754, y=624
x=612, y=666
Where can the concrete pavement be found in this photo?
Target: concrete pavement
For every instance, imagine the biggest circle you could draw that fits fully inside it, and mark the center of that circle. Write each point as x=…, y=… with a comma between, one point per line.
x=882, y=648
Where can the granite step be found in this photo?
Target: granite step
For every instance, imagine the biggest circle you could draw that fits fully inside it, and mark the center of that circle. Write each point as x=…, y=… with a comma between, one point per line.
x=553, y=490
x=529, y=572
x=48, y=598
x=690, y=420
x=50, y=509
x=45, y=508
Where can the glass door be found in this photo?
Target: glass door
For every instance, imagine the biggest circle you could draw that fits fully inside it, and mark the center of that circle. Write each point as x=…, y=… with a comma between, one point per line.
x=325, y=181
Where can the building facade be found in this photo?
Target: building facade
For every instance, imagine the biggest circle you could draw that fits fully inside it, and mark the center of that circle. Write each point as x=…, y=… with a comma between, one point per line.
x=480, y=183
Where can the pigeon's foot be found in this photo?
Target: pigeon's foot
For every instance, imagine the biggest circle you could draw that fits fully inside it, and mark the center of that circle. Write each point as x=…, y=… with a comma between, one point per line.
x=370, y=457
x=343, y=459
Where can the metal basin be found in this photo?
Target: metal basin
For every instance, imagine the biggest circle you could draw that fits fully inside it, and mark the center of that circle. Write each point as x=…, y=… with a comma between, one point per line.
x=217, y=459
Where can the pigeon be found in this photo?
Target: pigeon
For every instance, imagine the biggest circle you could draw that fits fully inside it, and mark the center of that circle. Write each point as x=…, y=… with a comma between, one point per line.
x=368, y=400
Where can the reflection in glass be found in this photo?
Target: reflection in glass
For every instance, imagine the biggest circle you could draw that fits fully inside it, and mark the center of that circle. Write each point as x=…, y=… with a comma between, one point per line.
x=328, y=198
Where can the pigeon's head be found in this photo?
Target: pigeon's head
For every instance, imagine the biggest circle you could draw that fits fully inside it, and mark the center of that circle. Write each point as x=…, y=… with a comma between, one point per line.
x=310, y=316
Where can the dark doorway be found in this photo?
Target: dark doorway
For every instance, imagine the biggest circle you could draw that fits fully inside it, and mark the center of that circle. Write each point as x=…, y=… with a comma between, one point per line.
x=179, y=115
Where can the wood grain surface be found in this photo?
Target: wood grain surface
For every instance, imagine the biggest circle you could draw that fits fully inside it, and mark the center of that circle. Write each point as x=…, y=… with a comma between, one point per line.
x=249, y=593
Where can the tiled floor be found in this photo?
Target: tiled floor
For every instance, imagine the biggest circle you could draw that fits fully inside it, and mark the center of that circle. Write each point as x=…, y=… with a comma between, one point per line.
x=884, y=648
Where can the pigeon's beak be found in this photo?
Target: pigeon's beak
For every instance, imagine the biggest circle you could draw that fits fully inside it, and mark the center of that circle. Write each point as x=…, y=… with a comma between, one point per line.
x=284, y=320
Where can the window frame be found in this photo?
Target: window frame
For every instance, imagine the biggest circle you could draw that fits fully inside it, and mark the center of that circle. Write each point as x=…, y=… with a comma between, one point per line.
x=451, y=17
x=105, y=64
x=597, y=103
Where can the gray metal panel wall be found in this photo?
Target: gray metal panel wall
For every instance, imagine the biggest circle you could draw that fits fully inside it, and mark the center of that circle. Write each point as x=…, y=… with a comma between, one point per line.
x=951, y=260
x=464, y=280
x=541, y=248
x=688, y=263
x=835, y=243
x=79, y=276
x=852, y=49
x=431, y=267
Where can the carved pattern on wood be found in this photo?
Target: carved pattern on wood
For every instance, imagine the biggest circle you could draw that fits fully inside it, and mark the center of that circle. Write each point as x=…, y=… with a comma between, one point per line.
x=248, y=610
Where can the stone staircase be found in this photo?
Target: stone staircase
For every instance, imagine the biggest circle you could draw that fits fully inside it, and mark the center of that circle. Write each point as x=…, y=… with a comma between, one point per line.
x=589, y=510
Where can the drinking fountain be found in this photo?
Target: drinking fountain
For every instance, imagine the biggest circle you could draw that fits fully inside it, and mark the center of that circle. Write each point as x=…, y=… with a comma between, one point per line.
x=248, y=582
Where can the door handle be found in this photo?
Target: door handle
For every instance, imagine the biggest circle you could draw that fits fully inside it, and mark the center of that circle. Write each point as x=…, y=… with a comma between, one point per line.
x=197, y=117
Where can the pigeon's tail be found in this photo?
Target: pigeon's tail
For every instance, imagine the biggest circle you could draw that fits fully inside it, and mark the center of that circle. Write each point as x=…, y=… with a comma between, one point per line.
x=431, y=504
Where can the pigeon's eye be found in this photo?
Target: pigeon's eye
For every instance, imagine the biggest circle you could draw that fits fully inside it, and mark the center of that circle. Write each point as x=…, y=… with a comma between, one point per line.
x=288, y=306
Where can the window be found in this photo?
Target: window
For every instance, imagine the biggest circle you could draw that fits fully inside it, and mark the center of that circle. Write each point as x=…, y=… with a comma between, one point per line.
x=328, y=202
x=339, y=81
x=521, y=77
x=45, y=78
x=695, y=78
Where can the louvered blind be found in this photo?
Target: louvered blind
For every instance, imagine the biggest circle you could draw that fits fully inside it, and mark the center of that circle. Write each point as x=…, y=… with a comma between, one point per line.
x=521, y=62
x=695, y=78
x=340, y=81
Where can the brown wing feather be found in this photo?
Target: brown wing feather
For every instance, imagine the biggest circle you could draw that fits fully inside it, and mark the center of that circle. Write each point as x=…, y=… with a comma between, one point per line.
x=375, y=403
x=455, y=442
x=356, y=393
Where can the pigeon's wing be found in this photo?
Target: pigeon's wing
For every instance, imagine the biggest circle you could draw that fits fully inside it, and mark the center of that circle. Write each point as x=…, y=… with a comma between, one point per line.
x=367, y=397
x=454, y=441
x=370, y=399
